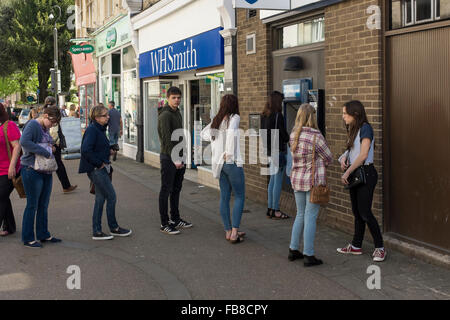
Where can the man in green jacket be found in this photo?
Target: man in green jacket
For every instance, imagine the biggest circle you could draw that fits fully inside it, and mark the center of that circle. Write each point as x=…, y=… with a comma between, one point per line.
x=172, y=163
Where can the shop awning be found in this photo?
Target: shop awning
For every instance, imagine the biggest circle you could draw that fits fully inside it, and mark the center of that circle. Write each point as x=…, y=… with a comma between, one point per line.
x=84, y=68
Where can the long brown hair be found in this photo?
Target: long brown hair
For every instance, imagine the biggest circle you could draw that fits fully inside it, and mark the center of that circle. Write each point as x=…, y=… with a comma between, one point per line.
x=229, y=106
x=306, y=117
x=53, y=112
x=355, y=109
x=3, y=114
x=273, y=104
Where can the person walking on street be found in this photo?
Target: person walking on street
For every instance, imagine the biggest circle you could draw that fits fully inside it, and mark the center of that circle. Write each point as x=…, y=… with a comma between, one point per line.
x=36, y=141
x=227, y=164
x=115, y=128
x=64, y=111
x=360, y=150
x=95, y=154
x=60, y=143
x=73, y=111
x=273, y=122
x=307, y=143
x=172, y=165
x=9, y=169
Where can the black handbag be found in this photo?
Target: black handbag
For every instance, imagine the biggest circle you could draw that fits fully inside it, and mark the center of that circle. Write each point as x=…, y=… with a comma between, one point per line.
x=356, y=178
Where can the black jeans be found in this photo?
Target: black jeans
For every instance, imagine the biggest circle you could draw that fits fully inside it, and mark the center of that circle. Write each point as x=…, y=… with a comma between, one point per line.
x=171, y=184
x=6, y=213
x=362, y=197
x=61, y=172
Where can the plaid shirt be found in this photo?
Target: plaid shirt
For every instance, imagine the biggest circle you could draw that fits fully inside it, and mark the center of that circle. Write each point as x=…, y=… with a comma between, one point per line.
x=302, y=159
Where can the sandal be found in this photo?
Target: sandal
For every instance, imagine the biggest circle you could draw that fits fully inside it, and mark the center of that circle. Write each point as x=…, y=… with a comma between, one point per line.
x=3, y=233
x=238, y=240
x=282, y=216
x=269, y=213
x=241, y=234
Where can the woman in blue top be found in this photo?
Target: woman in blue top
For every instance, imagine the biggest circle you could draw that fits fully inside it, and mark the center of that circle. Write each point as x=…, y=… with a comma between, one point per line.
x=360, y=146
x=95, y=154
x=36, y=140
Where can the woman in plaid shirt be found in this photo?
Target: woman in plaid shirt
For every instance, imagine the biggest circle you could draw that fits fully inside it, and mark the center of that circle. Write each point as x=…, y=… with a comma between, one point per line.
x=304, y=135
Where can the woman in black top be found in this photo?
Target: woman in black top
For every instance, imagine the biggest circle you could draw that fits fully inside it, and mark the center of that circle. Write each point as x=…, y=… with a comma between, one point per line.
x=273, y=122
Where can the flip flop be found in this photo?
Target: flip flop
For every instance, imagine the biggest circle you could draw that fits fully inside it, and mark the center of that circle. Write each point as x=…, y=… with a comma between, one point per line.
x=238, y=240
x=3, y=233
x=241, y=234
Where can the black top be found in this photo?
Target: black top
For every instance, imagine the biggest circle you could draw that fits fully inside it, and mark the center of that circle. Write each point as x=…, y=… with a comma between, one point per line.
x=271, y=123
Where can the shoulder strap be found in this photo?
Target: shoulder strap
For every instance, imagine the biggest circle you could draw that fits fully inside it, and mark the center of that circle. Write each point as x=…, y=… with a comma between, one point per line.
x=313, y=171
x=5, y=133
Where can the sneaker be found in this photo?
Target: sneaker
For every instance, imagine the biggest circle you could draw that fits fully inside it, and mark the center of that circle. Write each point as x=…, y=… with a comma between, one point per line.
x=182, y=224
x=294, y=255
x=51, y=240
x=121, y=232
x=379, y=255
x=349, y=250
x=34, y=245
x=101, y=236
x=169, y=229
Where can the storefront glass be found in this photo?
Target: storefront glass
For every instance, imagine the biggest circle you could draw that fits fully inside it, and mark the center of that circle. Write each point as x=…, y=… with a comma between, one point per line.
x=129, y=108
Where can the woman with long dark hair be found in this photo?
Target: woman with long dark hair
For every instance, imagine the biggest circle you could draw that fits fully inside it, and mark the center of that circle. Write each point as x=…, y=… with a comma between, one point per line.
x=227, y=164
x=36, y=141
x=9, y=169
x=273, y=122
x=360, y=150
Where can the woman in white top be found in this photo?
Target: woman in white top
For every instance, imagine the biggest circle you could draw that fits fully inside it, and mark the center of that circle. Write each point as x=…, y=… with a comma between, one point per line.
x=360, y=147
x=227, y=164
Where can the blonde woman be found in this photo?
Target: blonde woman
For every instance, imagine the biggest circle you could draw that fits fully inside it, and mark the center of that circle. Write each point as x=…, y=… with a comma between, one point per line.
x=303, y=137
x=73, y=111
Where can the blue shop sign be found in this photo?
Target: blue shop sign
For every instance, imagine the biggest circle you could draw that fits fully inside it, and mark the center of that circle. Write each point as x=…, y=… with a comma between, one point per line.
x=201, y=51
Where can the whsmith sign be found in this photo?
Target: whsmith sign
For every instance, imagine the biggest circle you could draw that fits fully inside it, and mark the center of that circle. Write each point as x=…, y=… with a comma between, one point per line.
x=272, y=4
x=201, y=51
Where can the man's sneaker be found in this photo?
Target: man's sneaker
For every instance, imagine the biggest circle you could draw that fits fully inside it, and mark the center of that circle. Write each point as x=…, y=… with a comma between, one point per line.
x=379, y=255
x=121, y=232
x=101, y=236
x=169, y=229
x=34, y=245
x=349, y=250
x=182, y=224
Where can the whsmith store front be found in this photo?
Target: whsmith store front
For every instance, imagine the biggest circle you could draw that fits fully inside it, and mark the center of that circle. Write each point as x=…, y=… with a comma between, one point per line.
x=187, y=55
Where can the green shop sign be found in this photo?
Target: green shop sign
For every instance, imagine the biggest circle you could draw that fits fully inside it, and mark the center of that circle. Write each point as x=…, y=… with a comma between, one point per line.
x=115, y=36
x=82, y=49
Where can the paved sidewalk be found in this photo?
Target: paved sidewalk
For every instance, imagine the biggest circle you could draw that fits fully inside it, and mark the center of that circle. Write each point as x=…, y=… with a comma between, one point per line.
x=198, y=263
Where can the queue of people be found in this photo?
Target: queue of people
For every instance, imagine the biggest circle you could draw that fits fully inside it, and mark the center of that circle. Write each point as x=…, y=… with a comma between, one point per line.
x=307, y=147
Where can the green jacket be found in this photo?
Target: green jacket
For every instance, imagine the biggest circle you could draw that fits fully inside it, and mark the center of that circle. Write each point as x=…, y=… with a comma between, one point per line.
x=169, y=120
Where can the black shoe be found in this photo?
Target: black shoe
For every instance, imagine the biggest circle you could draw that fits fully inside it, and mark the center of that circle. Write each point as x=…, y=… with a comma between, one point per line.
x=269, y=213
x=101, y=236
x=51, y=240
x=294, y=255
x=169, y=229
x=115, y=156
x=121, y=232
x=182, y=224
x=312, y=261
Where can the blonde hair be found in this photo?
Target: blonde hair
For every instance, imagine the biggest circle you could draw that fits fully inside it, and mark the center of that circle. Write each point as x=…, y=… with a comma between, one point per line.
x=97, y=111
x=306, y=117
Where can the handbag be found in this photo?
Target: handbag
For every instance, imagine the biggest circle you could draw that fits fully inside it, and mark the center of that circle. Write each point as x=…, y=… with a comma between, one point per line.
x=318, y=194
x=43, y=164
x=357, y=177
x=17, y=181
x=282, y=156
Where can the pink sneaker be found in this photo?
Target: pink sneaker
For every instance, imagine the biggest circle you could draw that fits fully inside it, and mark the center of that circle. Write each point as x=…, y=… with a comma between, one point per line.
x=379, y=255
x=349, y=250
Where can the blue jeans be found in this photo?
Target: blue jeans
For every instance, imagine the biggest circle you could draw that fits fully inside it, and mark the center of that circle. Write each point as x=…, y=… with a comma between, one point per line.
x=38, y=188
x=274, y=189
x=104, y=190
x=113, y=138
x=305, y=223
x=232, y=179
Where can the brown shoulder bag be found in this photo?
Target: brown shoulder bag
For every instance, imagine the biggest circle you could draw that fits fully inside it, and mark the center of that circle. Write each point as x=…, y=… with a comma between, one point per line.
x=318, y=194
x=17, y=181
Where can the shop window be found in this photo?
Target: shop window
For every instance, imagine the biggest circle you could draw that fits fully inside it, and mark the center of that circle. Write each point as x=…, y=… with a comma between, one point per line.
x=251, y=44
x=406, y=13
x=303, y=33
x=129, y=58
x=129, y=108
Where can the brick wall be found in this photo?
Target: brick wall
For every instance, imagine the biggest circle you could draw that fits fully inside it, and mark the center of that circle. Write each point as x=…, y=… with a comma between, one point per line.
x=353, y=67
x=254, y=84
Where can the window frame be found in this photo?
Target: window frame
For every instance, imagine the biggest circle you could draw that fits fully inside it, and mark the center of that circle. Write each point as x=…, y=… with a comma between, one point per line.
x=414, y=22
x=311, y=19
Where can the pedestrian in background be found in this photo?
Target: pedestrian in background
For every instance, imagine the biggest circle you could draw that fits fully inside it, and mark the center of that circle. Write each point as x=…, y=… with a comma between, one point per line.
x=115, y=128
x=227, y=164
x=60, y=143
x=172, y=166
x=305, y=138
x=73, y=111
x=36, y=140
x=273, y=122
x=360, y=149
x=9, y=169
x=95, y=153
x=34, y=114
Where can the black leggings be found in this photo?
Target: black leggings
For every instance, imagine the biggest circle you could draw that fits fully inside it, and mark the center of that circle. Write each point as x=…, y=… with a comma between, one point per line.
x=362, y=197
x=7, y=221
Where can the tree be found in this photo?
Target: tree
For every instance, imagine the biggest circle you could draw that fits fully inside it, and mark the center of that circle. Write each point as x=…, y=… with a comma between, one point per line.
x=30, y=33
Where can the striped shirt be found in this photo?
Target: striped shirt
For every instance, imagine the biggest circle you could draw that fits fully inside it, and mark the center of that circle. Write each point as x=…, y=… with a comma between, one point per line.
x=301, y=178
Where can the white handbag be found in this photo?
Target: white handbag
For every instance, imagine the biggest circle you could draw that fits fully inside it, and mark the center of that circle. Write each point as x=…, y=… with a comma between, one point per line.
x=43, y=164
